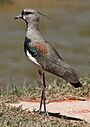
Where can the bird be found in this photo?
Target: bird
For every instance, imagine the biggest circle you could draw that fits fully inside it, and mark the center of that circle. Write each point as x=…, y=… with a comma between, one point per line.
x=43, y=54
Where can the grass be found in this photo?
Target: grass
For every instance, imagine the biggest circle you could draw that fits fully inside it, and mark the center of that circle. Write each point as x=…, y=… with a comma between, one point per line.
x=5, y=1
x=16, y=117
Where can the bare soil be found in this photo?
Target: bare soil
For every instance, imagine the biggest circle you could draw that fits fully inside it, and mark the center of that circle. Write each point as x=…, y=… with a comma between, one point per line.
x=71, y=109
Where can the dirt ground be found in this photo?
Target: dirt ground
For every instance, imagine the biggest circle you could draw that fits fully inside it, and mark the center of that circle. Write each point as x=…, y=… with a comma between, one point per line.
x=72, y=109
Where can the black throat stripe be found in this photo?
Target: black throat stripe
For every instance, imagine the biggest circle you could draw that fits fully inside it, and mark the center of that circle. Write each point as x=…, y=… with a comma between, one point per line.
x=26, y=42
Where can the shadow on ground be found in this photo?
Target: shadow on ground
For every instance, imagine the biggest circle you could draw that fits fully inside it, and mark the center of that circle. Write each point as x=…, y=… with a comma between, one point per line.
x=58, y=115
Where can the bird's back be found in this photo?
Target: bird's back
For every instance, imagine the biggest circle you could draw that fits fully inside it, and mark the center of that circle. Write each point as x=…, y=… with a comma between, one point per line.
x=51, y=61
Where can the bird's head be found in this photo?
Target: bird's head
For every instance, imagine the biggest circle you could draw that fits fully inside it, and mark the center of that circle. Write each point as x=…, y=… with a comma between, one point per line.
x=28, y=15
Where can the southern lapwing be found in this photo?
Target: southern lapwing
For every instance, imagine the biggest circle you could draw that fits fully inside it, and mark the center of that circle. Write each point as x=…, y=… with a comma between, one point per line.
x=43, y=55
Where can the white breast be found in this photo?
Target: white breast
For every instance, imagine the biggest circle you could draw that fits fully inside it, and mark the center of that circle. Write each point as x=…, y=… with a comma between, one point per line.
x=32, y=58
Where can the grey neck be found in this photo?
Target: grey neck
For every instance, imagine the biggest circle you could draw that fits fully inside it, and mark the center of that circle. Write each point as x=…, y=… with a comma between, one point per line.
x=33, y=32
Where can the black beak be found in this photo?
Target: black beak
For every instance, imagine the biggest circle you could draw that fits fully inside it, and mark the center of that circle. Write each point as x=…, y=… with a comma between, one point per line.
x=18, y=16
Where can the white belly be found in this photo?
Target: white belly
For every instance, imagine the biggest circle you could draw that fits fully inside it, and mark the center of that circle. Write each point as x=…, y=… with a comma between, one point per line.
x=32, y=58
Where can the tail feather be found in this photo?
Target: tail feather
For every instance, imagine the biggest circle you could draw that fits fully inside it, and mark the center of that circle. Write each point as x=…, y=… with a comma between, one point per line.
x=76, y=85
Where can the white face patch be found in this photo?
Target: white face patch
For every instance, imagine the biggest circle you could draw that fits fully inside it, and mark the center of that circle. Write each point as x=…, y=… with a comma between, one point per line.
x=32, y=58
x=24, y=17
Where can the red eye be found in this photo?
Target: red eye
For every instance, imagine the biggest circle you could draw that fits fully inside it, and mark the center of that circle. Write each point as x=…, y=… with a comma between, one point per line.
x=26, y=13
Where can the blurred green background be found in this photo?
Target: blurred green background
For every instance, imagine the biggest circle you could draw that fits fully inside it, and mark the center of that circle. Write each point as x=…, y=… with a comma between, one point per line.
x=68, y=31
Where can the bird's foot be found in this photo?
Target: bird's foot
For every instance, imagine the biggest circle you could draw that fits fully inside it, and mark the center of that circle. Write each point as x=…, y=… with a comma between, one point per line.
x=41, y=112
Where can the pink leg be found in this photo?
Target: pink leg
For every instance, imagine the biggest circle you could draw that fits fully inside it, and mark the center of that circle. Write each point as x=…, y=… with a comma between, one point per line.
x=43, y=90
x=42, y=79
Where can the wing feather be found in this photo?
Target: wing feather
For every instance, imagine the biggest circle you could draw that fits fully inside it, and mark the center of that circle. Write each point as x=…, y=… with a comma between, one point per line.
x=51, y=61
